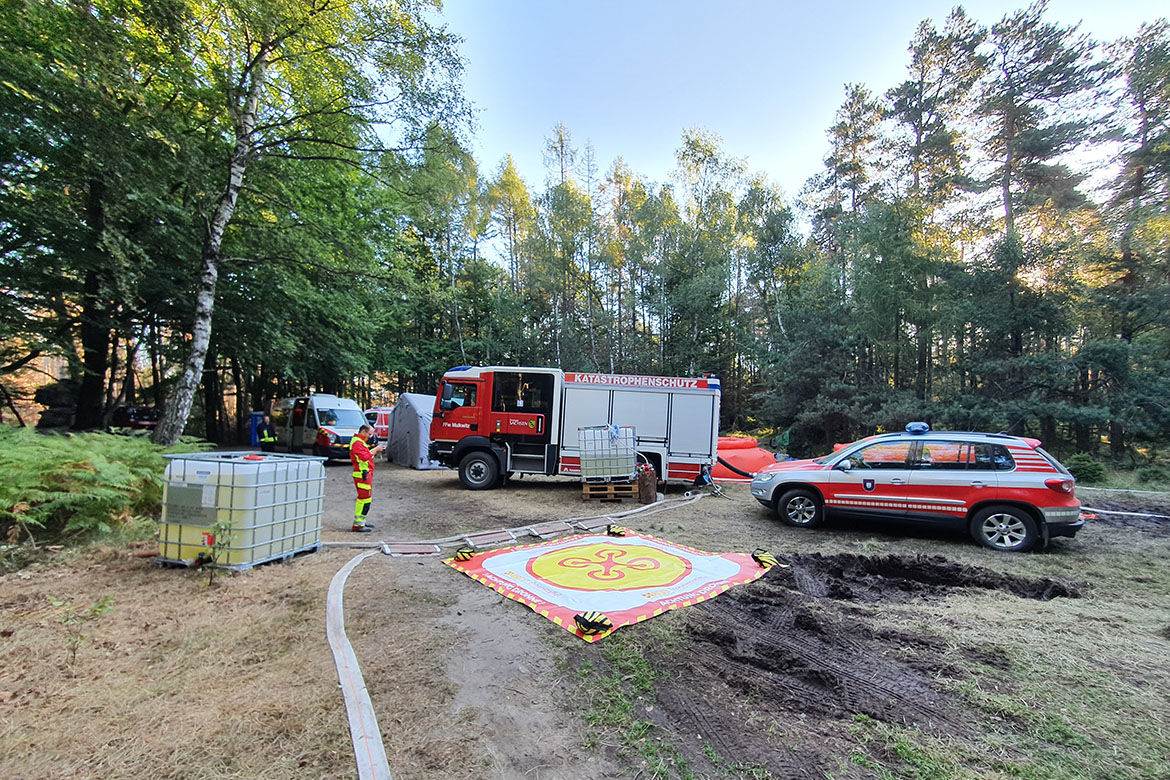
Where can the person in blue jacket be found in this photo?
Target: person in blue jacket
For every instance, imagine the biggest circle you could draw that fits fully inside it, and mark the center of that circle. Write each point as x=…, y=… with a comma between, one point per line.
x=267, y=435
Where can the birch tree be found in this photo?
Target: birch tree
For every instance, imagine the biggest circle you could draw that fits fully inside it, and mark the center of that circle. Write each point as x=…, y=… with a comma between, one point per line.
x=351, y=82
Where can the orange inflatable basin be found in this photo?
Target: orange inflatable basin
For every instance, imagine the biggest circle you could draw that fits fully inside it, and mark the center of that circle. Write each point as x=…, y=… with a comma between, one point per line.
x=750, y=459
x=737, y=443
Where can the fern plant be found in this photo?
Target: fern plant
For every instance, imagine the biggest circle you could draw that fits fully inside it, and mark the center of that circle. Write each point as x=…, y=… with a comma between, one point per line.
x=72, y=484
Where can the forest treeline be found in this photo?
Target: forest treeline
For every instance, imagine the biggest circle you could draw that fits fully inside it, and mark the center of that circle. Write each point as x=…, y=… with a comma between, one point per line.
x=986, y=247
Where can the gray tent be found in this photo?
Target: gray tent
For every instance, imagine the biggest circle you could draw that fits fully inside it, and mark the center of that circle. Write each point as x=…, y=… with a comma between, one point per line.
x=410, y=432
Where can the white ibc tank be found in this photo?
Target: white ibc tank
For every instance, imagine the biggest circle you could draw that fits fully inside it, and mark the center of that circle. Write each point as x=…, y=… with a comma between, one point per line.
x=270, y=504
x=608, y=452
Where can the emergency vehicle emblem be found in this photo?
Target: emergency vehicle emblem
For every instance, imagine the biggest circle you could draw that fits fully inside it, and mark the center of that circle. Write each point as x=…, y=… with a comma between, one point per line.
x=868, y=484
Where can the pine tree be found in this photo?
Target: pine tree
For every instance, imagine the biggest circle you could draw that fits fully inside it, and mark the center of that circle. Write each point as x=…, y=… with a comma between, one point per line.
x=929, y=106
x=1036, y=72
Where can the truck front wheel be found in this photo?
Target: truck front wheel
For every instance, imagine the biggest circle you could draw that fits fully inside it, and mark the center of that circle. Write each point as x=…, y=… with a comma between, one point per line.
x=479, y=471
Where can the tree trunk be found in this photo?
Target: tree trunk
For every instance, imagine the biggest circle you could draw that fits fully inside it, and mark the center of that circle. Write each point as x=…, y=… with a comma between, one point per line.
x=95, y=330
x=111, y=383
x=128, y=384
x=1084, y=437
x=1009, y=213
x=156, y=372
x=1116, y=439
x=1048, y=431
x=225, y=420
x=210, y=394
x=11, y=405
x=95, y=346
x=178, y=405
x=896, y=337
x=922, y=364
x=242, y=410
x=179, y=402
x=260, y=390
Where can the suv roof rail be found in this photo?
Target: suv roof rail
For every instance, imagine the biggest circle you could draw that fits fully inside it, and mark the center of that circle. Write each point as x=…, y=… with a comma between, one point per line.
x=947, y=433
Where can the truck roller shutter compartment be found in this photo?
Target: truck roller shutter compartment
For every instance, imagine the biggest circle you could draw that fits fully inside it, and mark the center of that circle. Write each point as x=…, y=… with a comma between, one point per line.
x=690, y=424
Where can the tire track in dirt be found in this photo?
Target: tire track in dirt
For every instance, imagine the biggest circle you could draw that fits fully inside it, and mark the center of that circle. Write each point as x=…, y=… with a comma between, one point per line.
x=723, y=730
x=822, y=663
x=789, y=650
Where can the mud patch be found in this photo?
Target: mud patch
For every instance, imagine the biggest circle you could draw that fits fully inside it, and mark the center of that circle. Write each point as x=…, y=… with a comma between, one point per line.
x=899, y=578
x=772, y=655
x=774, y=673
x=988, y=656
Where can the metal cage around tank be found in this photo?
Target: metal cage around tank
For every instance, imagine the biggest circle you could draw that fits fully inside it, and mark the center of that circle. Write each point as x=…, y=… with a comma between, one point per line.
x=270, y=504
x=608, y=452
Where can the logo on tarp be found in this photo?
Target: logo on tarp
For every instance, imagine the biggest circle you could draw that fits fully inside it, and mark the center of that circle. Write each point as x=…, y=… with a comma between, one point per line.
x=868, y=484
x=602, y=567
x=592, y=584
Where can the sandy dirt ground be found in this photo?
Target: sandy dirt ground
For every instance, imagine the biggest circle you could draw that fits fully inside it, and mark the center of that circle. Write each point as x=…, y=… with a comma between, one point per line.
x=236, y=680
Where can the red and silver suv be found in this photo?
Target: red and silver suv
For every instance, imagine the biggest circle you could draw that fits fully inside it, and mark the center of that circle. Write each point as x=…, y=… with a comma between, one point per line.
x=1007, y=491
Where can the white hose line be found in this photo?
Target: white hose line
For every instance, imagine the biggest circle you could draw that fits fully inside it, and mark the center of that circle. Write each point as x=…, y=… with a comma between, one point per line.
x=657, y=506
x=1116, y=512
x=649, y=509
x=368, y=749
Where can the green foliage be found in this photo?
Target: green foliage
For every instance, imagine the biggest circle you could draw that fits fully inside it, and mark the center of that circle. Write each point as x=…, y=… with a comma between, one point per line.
x=1085, y=468
x=617, y=693
x=1154, y=473
x=74, y=620
x=945, y=66
x=221, y=540
x=1036, y=68
x=74, y=484
x=955, y=268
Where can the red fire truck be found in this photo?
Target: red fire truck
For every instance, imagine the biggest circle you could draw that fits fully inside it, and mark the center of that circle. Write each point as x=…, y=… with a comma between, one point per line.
x=495, y=421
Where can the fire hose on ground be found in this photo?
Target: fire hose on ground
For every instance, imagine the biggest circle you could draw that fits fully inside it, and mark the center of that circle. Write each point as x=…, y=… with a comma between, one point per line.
x=368, y=748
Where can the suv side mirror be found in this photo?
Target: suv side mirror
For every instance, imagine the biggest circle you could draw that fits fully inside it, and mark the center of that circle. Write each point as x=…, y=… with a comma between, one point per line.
x=845, y=465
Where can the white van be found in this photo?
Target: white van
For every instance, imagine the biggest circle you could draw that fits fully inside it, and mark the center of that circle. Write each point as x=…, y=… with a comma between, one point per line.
x=319, y=423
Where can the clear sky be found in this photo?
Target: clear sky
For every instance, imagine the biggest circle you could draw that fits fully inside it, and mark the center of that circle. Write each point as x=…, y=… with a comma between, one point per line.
x=631, y=75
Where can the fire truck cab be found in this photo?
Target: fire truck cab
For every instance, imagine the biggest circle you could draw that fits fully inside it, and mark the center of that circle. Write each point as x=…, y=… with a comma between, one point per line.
x=491, y=422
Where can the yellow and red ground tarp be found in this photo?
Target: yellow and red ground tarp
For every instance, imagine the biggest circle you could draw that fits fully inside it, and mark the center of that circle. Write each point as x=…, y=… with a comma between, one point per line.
x=627, y=578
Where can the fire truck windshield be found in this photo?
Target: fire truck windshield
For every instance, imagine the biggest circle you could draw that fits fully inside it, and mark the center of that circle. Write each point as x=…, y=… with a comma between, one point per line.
x=463, y=394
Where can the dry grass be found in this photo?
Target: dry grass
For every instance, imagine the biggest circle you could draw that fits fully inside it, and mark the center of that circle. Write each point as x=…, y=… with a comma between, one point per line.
x=237, y=681
x=1083, y=694
x=179, y=680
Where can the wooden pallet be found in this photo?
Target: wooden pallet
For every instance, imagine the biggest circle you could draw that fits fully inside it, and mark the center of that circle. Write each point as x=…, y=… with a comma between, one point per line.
x=609, y=491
